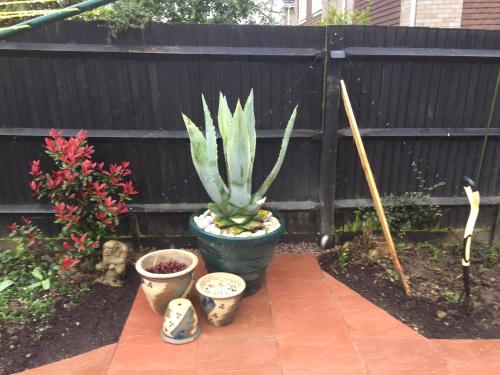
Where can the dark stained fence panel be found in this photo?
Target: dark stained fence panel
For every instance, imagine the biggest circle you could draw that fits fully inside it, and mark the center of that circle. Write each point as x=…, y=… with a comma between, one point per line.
x=132, y=103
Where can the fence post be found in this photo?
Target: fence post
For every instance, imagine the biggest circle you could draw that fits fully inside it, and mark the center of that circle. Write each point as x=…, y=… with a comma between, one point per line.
x=328, y=164
x=495, y=231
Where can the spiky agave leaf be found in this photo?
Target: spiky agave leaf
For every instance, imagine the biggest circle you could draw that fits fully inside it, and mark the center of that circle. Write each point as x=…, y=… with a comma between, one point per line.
x=203, y=161
x=224, y=120
x=249, y=118
x=210, y=136
x=238, y=160
x=216, y=210
x=258, y=196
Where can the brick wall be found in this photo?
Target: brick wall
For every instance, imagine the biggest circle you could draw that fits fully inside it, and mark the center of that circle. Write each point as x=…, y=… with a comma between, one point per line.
x=481, y=14
x=382, y=12
x=438, y=13
x=404, y=19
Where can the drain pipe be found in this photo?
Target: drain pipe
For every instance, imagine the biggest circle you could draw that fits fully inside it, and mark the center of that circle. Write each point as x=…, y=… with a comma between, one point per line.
x=56, y=15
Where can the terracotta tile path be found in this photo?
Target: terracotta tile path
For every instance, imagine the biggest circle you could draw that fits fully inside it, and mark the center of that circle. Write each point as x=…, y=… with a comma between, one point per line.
x=302, y=321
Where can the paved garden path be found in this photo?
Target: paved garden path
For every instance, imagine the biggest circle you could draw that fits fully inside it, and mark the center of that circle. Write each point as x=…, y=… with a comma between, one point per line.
x=302, y=321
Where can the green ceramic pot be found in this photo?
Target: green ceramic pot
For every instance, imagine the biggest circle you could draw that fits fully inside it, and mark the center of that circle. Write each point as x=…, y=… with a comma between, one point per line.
x=247, y=257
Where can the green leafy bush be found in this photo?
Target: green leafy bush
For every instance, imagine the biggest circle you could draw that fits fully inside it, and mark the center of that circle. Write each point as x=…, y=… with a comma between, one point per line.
x=407, y=211
x=30, y=282
x=335, y=16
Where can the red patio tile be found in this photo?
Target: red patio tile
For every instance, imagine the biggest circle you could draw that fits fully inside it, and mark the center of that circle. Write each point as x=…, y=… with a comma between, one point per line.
x=323, y=355
x=364, y=318
x=295, y=289
x=301, y=322
x=306, y=320
x=468, y=352
x=356, y=370
x=376, y=324
x=476, y=369
x=141, y=321
x=150, y=353
x=253, y=319
x=382, y=355
x=288, y=267
x=156, y=372
x=237, y=354
x=408, y=371
x=94, y=362
x=273, y=370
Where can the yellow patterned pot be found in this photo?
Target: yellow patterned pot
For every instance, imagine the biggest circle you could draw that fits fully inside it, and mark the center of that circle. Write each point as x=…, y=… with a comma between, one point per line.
x=159, y=288
x=180, y=324
x=220, y=304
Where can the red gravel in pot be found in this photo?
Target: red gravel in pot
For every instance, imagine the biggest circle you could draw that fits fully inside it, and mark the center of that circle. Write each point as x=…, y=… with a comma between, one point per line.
x=167, y=266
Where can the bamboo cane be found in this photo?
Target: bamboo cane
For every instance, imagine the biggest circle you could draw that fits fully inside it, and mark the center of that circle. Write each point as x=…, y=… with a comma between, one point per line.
x=7, y=3
x=32, y=13
x=373, y=187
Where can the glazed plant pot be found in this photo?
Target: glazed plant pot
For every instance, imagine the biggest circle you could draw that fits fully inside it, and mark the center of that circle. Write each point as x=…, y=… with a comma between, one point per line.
x=247, y=257
x=180, y=324
x=220, y=295
x=159, y=288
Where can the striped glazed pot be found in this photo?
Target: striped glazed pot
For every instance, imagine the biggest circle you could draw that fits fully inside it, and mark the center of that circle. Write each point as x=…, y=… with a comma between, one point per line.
x=160, y=289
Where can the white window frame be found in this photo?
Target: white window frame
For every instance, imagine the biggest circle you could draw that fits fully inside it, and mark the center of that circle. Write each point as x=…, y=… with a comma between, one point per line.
x=316, y=6
x=302, y=11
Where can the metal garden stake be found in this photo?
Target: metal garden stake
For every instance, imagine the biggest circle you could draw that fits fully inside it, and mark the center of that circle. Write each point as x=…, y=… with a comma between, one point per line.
x=472, y=192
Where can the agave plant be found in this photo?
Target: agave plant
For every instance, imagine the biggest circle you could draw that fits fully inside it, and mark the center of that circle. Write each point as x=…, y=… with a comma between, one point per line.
x=233, y=202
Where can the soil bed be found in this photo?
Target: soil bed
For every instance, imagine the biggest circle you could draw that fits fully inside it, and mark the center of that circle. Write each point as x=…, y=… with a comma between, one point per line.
x=435, y=275
x=95, y=320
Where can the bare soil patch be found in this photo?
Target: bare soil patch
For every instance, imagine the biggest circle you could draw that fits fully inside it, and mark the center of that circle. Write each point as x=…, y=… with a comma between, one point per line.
x=95, y=320
x=435, y=308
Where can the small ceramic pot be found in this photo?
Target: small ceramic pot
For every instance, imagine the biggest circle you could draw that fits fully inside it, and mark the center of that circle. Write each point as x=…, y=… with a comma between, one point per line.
x=220, y=304
x=180, y=324
x=160, y=288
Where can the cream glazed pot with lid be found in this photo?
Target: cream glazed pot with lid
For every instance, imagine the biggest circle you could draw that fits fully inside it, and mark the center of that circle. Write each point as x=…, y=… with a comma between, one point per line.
x=220, y=295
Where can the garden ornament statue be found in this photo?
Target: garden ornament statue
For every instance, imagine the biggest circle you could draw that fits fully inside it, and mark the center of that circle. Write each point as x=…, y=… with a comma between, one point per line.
x=472, y=192
x=114, y=257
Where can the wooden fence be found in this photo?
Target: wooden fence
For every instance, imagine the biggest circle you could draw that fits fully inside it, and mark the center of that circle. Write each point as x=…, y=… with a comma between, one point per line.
x=420, y=95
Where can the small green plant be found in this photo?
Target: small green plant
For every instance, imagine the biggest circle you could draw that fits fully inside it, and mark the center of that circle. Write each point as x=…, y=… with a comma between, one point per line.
x=402, y=246
x=432, y=248
x=439, y=272
x=391, y=272
x=335, y=16
x=407, y=211
x=451, y=296
x=343, y=257
x=233, y=203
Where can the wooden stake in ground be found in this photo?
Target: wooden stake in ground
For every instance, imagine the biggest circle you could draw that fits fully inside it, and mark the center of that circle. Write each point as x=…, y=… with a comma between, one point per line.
x=373, y=187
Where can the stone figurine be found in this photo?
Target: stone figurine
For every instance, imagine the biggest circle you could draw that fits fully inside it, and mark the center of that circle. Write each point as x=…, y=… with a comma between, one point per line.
x=112, y=266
